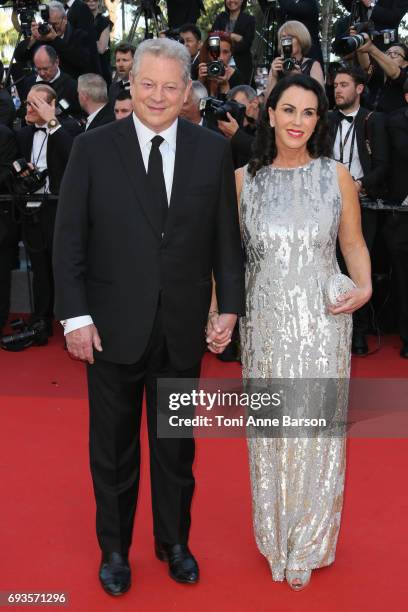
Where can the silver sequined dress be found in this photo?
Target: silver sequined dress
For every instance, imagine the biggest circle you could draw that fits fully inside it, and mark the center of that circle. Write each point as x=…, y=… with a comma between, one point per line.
x=290, y=220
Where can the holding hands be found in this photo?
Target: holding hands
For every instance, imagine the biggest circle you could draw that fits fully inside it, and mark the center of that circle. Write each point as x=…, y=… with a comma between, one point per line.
x=219, y=331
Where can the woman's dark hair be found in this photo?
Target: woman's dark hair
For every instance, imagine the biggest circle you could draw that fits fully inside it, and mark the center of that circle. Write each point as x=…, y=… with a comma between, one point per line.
x=242, y=9
x=319, y=145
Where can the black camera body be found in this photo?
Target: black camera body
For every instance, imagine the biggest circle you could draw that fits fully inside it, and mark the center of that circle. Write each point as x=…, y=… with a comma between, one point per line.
x=32, y=182
x=289, y=61
x=216, y=110
x=24, y=335
x=26, y=10
x=216, y=67
x=348, y=44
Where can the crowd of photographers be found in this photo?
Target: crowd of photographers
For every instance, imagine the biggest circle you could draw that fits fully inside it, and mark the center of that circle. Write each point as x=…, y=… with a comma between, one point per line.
x=63, y=77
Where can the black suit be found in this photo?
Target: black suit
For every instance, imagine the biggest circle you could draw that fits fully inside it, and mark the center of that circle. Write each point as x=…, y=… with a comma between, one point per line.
x=72, y=50
x=115, y=89
x=245, y=26
x=8, y=228
x=38, y=228
x=65, y=87
x=386, y=13
x=180, y=12
x=104, y=116
x=80, y=17
x=7, y=110
x=149, y=298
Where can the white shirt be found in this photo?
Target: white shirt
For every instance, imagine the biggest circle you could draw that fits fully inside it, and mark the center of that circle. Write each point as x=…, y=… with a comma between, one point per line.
x=355, y=168
x=39, y=152
x=92, y=116
x=168, y=153
x=57, y=76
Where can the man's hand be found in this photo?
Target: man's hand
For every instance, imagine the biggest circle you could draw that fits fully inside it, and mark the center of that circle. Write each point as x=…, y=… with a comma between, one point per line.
x=219, y=331
x=82, y=341
x=52, y=35
x=368, y=42
x=45, y=110
x=358, y=185
x=35, y=35
x=230, y=127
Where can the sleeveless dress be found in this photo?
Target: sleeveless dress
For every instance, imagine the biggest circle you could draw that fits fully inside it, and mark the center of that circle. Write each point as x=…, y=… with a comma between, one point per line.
x=290, y=219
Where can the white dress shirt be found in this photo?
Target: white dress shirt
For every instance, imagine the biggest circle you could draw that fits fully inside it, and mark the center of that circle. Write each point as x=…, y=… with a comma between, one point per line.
x=92, y=116
x=39, y=152
x=168, y=153
x=57, y=76
x=354, y=164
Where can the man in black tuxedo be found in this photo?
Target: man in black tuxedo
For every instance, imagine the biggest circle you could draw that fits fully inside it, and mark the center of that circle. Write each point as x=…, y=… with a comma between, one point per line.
x=396, y=229
x=93, y=98
x=71, y=45
x=147, y=216
x=46, y=143
x=80, y=17
x=191, y=36
x=46, y=62
x=360, y=142
x=124, y=54
x=8, y=227
x=384, y=13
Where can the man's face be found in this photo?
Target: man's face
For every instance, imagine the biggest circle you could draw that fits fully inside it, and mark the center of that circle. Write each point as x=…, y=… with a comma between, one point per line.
x=397, y=55
x=346, y=92
x=123, y=108
x=32, y=115
x=252, y=107
x=44, y=66
x=124, y=63
x=158, y=91
x=58, y=22
x=192, y=44
x=189, y=109
x=225, y=52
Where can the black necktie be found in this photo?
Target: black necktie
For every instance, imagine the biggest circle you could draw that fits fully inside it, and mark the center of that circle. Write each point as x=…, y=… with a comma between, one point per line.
x=343, y=117
x=157, y=183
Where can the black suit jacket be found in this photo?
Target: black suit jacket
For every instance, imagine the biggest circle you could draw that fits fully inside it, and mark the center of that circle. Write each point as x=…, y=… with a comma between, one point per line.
x=72, y=50
x=398, y=174
x=80, y=17
x=180, y=12
x=386, y=13
x=105, y=115
x=245, y=26
x=65, y=87
x=110, y=260
x=114, y=90
x=375, y=166
x=7, y=110
x=58, y=149
x=8, y=154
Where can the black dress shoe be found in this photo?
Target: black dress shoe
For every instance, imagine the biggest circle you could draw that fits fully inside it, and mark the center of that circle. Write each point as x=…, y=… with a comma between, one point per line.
x=404, y=350
x=182, y=565
x=359, y=344
x=114, y=573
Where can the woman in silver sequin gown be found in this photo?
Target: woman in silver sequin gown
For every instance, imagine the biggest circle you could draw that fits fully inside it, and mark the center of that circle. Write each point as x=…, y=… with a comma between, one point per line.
x=293, y=200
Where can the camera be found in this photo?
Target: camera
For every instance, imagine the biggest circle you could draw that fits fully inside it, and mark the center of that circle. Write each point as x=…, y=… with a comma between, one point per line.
x=25, y=335
x=289, y=62
x=216, y=67
x=32, y=182
x=217, y=110
x=348, y=44
x=26, y=10
x=174, y=34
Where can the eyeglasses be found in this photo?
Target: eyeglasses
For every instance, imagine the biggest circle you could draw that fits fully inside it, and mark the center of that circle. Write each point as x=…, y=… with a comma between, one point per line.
x=394, y=54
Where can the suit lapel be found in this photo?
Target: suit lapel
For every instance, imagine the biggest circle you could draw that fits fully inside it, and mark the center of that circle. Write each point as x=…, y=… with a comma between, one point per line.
x=185, y=152
x=127, y=143
x=360, y=140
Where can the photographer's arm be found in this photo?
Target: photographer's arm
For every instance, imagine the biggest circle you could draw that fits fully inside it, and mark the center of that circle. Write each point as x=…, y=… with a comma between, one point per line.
x=386, y=63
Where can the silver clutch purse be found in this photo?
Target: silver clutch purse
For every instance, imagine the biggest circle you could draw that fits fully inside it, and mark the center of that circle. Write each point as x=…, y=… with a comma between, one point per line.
x=337, y=285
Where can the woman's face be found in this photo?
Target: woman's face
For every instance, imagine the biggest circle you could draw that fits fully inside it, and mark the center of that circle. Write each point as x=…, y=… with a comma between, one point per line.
x=294, y=118
x=296, y=48
x=93, y=4
x=225, y=52
x=233, y=5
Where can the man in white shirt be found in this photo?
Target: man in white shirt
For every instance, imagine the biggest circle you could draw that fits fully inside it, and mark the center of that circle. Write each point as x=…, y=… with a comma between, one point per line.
x=93, y=99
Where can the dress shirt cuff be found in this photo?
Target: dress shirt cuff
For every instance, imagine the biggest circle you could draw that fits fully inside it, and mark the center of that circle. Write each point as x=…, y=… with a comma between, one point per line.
x=74, y=323
x=53, y=130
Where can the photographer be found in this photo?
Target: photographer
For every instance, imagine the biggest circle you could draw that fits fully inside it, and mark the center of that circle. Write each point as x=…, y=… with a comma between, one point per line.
x=359, y=139
x=388, y=72
x=71, y=46
x=241, y=137
x=191, y=36
x=46, y=63
x=217, y=49
x=305, y=11
x=396, y=229
x=124, y=54
x=241, y=26
x=8, y=228
x=46, y=144
x=383, y=13
x=191, y=108
x=294, y=43
x=80, y=17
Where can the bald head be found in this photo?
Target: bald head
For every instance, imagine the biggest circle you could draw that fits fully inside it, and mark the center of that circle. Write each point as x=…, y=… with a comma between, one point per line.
x=46, y=63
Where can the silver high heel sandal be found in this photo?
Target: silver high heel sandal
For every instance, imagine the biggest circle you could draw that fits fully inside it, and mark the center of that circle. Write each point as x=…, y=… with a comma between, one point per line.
x=298, y=579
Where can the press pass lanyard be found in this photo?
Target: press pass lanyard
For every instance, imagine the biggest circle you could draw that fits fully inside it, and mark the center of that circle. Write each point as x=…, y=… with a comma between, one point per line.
x=352, y=131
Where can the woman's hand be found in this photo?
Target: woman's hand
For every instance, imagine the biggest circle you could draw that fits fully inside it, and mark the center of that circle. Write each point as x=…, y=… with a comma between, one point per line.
x=202, y=71
x=351, y=301
x=276, y=67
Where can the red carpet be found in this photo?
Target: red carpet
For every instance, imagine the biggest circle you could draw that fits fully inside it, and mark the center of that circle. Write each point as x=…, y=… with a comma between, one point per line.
x=47, y=509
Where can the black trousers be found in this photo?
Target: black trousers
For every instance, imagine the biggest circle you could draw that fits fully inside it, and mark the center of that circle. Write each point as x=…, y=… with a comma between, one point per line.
x=396, y=237
x=38, y=233
x=115, y=400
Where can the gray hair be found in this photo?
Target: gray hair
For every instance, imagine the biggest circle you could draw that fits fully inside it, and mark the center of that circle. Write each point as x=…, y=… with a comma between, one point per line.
x=58, y=7
x=198, y=91
x=164, y=47
x=247, y=90
x=94, y=86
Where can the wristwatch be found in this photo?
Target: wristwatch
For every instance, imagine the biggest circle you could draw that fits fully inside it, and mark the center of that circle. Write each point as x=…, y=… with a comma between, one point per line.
x=52, y=123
